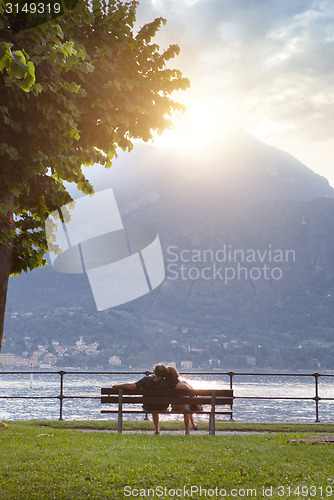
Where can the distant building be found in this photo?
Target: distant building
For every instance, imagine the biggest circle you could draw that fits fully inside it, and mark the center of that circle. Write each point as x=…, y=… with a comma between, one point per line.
x=250, y=360
x=186, y=364
x=81, y=344
x=60, y=350
x=91, y=352
x=50, y=359
x=12, y=360
x=115, y=361
x=214, y=362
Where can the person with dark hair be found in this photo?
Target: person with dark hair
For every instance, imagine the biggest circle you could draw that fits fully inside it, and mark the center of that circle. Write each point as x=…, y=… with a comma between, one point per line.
x=155, y=381
x=173, y=376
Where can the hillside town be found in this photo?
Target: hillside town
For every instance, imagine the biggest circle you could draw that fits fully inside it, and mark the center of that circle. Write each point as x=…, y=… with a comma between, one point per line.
x=88, y=355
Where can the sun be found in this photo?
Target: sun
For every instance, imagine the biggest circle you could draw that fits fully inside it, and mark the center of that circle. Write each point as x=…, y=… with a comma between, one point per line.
x=201, y=123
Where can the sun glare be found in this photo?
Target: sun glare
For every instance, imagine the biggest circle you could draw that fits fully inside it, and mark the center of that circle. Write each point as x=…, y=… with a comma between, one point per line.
x=200, y=124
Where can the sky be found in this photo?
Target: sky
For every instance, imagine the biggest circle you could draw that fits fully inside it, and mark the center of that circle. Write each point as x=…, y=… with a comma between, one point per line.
x=263, y=65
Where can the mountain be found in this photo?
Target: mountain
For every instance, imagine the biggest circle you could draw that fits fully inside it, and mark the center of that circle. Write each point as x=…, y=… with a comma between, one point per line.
x=178, y=190
x=236, y=167
x=262, y=172
x=247, y=233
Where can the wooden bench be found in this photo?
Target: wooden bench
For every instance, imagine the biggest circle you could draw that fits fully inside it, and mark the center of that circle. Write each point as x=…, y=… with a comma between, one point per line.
x=128, y=400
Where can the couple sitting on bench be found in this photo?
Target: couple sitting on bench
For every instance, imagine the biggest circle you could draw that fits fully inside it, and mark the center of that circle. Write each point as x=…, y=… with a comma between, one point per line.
x=163, y=378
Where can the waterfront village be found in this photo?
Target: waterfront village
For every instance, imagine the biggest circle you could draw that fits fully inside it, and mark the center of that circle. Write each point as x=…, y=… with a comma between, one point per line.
x=58, y=343
x=55, y=355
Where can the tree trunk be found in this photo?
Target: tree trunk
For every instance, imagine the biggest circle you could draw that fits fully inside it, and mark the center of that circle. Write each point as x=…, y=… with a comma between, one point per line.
x=6, y=256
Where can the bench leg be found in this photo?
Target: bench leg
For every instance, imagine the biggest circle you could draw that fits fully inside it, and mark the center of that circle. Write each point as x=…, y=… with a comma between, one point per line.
x=120, y=422
x=120, y=411
x=231, y=414
x=212, y=423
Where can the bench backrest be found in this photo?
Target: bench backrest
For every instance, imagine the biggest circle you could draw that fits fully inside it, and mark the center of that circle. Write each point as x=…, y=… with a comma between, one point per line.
x=166, y=397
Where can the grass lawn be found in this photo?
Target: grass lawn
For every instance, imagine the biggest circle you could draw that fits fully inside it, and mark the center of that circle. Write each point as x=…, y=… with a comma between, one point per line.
x=70, y=464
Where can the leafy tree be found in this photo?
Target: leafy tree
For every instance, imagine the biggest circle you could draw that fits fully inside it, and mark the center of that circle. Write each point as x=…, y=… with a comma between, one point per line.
x=71, y=92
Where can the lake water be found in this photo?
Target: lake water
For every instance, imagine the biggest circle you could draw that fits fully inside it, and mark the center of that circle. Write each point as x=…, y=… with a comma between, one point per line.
x=89, y=385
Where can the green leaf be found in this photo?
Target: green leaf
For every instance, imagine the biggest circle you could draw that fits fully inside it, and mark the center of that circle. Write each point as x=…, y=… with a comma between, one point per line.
x=4, y=55
x=27, y=83
x=18, y=57
x=3, y=49
x=16, y=190
x=4, y=209
x=38, y=87
x=74, y=87
x=75, y=134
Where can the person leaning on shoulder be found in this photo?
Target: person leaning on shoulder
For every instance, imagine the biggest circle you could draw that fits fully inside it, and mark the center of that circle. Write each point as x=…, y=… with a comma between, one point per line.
x=173, y=376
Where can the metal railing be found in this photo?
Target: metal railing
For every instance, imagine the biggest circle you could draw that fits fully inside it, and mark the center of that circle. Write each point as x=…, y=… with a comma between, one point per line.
x=61, y=397
x=316, y=398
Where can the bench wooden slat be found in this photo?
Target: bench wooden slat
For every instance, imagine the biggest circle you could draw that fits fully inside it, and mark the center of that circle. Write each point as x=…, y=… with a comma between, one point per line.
x=166, y=400
x=126, y=399
x=181, y=392
x=171, y=412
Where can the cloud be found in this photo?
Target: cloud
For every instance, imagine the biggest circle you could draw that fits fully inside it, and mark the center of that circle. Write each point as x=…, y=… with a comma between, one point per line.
x=254, y=37
x=270, y=60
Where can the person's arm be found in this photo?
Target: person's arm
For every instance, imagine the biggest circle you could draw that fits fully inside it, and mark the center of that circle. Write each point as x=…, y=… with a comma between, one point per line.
x=129, y=386
x=183, y=385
